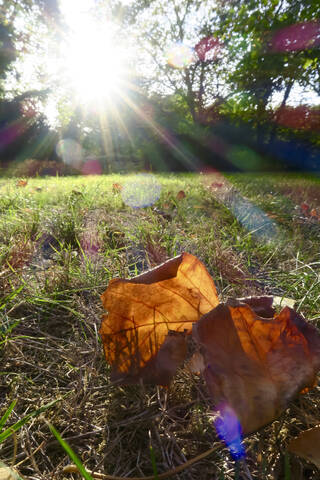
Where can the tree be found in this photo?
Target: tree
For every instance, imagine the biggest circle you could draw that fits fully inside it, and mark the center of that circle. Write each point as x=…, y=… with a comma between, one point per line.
x=23, y=129
x=178, y=52
x=271, y=48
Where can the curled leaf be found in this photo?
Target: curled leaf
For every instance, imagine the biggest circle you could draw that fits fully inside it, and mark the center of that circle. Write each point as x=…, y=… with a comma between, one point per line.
x=261, y=305
x=305, y=208
x=196, y=363
x=8, y=473
x=257, y=365
x=116, y=187
x=21, y=183
x=181, y=194
x=148, y=317
x=306, y=445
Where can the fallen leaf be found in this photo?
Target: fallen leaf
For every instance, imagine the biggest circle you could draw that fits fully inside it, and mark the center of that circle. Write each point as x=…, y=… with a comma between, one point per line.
x=116, y=187
x=306, y=445
x=7, y=473
x=180, y=195
x=156, y=253
x=162, y=214
x=149, y=316
x=305, y=208
x=216, y=185
x=21, y=183
x=196, y=363
x=76, y=193
x=256, y=365
x=261, y=305
x=314, y=213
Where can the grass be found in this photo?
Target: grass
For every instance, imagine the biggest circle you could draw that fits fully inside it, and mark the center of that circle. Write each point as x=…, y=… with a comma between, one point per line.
x=63, y=239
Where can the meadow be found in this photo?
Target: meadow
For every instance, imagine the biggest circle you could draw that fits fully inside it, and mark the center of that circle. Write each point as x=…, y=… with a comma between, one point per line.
x=63, y=239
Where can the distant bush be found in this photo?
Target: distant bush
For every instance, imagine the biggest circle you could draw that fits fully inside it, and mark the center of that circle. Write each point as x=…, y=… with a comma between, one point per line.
x=39, y=168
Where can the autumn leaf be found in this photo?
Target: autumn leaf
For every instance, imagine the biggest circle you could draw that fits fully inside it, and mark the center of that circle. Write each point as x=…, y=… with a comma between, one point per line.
x=181, y=194
x=305, y=208
x=314, y=213
x=8, y=473
x=149, y=316
x=116, y=187
x=256, y=365
x=261, y=305
x=215, y=185
x=21, y=183
x=306, y=445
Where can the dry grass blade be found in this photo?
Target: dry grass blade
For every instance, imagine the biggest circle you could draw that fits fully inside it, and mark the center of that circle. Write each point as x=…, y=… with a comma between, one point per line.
x=170, y=473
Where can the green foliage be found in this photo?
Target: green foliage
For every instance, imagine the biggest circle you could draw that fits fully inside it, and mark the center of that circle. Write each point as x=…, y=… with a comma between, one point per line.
x=4, y=434
x=71, y=454
x=258, y=70
x=7, y=50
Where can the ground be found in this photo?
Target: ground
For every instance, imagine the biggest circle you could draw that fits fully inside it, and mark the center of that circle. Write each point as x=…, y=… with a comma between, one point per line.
x=63, y=239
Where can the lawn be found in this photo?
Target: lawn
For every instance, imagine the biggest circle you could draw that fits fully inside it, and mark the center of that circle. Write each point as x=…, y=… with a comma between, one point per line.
x=63, y=239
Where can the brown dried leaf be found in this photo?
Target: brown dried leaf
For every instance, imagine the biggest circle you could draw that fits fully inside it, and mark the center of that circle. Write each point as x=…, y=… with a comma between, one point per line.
x=144, y=332
x=257, y=365
x=21, y=183
x=196, y=363
x=306, y=445
x=261, y=305
x=181, y=194
x=116, y=187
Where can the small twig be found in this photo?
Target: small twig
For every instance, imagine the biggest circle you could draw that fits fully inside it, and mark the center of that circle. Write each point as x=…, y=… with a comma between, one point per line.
x=246, y=470
x=29, y=456
x=30, y=453
x=169, y=473
x=15, y=447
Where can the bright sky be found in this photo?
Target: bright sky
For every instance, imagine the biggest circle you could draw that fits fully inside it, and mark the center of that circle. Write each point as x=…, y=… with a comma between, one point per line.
x=89, y=58
x=93, y=60
x=94, y=57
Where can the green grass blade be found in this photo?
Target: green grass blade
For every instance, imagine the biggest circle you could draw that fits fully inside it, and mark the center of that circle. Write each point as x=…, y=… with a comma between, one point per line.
x=153, y=462
x=16, y=426
x=7, y=414
x=287, y=468
x=9, y=297
x=71, y=453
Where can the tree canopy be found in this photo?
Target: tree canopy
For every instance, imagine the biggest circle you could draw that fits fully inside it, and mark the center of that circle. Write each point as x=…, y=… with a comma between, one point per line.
x=146, y=75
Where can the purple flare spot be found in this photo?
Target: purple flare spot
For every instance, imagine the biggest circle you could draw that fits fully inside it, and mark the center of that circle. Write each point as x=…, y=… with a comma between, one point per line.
x=299, y=36
x=208, y=48
x=91, y=167
x=229, y=430
x=8, y=135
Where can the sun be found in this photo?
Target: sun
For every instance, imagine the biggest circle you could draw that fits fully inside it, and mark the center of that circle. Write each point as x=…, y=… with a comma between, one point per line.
x=94, y=65
x=95, y=61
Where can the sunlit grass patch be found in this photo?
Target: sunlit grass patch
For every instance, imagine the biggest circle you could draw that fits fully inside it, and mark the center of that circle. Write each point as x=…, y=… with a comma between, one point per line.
x=63, y=239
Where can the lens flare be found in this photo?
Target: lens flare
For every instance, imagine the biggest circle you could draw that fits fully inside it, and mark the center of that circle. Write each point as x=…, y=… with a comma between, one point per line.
x=208, y=49
x=141, y=190
x=244, y=158
x=229, y=430
x=297, y=37
x=180, y=56
x=252, y=218
x=70, y=151
x=91, y=167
